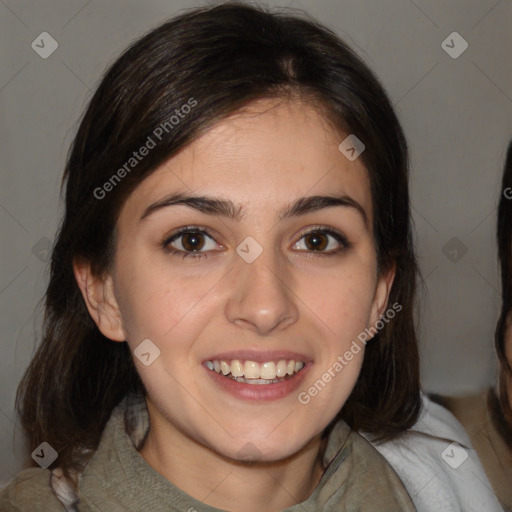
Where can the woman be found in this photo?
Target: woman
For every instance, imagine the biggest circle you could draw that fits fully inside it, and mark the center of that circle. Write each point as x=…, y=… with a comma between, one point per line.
x=219, y=314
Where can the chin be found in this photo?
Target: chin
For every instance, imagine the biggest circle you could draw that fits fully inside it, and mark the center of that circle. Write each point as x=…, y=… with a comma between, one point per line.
x=275, y=447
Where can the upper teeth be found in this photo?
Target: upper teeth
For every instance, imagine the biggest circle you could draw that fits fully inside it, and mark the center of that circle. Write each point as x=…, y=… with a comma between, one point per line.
x=253, y=370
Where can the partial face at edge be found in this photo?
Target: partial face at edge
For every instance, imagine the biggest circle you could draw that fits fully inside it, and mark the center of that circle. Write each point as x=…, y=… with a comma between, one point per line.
x=508, y=355
x=306, y=297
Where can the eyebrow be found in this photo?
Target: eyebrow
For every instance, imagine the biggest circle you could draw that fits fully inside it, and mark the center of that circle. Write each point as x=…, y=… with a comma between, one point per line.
x=226, y=208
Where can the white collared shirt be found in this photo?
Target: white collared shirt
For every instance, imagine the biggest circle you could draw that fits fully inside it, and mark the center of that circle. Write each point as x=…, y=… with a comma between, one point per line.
x=438, y=465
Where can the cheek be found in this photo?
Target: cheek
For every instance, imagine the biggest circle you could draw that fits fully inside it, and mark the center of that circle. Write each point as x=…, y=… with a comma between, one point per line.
x=167, y=301
x=343, y=299
x=157, y=304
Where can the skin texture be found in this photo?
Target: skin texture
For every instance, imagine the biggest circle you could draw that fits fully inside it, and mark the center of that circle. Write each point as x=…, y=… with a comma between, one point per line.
x=289, y=298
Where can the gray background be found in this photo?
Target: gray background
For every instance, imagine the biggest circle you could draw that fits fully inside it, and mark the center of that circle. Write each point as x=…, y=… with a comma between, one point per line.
x=457, y=115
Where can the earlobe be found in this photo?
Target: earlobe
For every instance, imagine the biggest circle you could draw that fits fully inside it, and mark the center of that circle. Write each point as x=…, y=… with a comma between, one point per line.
x=382, y=292
x=98, y=294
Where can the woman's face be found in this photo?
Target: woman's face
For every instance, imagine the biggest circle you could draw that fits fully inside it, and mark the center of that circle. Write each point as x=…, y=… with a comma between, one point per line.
x=264, y=276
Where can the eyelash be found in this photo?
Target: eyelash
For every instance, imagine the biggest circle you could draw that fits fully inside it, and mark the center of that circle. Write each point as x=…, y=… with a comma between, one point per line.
x=339, y=237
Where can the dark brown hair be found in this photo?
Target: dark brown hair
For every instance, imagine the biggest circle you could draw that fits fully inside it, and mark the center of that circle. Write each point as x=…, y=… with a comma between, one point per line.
x=223, y=57
x=503, y=328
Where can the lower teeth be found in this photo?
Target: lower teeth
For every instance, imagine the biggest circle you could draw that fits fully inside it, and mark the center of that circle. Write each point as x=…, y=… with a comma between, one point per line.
x=258, y=381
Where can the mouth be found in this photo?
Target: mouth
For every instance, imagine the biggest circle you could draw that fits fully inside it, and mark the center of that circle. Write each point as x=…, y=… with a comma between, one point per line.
x=257, y=376
x=256, y=373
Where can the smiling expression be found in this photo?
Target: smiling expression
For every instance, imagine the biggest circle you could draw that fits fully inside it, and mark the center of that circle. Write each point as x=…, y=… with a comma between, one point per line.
x=249, y=260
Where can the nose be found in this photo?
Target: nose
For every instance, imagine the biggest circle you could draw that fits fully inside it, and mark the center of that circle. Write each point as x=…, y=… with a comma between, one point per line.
x=262, y=299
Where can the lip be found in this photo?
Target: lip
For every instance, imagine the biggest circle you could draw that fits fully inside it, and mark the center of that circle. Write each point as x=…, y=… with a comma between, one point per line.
x=259, y=392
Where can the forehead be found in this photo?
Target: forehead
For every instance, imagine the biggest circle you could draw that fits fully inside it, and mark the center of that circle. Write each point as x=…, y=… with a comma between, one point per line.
x=262, y=157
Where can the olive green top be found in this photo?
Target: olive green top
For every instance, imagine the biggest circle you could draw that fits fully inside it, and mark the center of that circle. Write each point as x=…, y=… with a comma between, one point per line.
x=118, y=478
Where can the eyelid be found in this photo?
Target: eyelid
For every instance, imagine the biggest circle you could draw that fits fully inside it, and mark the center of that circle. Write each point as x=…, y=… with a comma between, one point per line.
x=326, y=230
x=188, y=229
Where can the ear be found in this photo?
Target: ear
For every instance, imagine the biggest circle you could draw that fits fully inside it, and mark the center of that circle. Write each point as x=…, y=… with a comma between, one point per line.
x=100, y=299
x=382, y=290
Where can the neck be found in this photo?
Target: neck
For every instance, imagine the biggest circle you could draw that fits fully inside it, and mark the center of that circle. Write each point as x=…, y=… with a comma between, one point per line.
x=230, y=484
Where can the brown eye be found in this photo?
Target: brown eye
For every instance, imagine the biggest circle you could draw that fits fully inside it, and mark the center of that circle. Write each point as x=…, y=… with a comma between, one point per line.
x=322, y=242
x=192, y=241
x=316, y=241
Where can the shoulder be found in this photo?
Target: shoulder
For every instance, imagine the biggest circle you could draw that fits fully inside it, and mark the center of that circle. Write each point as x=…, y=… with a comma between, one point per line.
x=438, y=464
x=29, y=490
x=483, y=419
x=360, y=478
x=469, y=410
